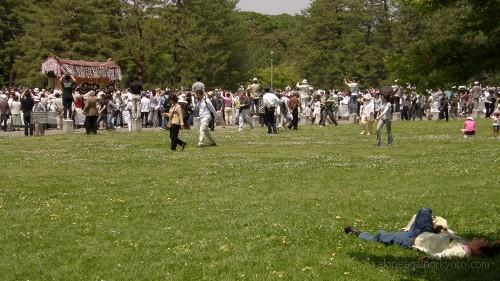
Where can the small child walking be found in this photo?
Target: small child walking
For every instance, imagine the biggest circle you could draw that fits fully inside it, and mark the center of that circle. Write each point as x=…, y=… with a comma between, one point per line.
x=496, y=123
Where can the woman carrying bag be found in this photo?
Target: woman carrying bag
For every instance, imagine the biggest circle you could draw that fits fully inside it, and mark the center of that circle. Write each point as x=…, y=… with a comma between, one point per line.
x=176, y=121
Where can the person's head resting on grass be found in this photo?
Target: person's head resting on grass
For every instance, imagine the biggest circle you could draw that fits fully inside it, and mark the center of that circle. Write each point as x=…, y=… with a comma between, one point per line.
x=480, y=247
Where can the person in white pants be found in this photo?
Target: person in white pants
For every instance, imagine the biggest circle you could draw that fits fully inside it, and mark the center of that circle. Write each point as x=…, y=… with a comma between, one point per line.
x=126, y=113
x=205, y=112
x=244, y=112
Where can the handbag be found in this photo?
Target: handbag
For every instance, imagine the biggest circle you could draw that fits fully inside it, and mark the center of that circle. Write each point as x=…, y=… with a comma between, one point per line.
x=169, y=124
x=211, y=124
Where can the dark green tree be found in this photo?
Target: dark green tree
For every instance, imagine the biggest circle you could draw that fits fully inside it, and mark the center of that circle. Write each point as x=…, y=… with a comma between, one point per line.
x=10, y=28
x=447, y=42
x=84, y=29
x=262, y=34
x=208, y=43
x=345, y=38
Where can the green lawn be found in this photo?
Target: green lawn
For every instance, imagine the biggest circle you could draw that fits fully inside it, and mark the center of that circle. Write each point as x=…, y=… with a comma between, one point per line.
x=122, y=206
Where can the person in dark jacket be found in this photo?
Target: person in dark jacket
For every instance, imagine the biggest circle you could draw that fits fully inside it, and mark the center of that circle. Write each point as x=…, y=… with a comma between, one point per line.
x=4, y=113
x=293, y=104
x=443, y=107
x=68, y=84
x=245, y=110
x=27, y=104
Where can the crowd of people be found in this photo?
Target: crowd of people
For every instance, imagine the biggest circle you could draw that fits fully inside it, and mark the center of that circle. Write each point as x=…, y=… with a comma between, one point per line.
x=110, y=107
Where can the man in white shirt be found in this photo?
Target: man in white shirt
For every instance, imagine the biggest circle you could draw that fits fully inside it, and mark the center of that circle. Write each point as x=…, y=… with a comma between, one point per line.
x=145, y=106
x=206, y=112
x=285, y=112
x=476, y=94
x=353, y=89
x=305, y=95
x=270, y=101
x=488, y=102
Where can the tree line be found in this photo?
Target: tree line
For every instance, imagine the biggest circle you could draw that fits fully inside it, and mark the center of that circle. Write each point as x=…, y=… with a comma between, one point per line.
x=428, y=43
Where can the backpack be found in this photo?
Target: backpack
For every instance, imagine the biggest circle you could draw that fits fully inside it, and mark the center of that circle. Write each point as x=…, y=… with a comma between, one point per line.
x=165, y=105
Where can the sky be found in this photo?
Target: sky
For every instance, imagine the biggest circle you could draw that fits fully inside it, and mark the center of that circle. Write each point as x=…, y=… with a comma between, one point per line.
x=274, y=7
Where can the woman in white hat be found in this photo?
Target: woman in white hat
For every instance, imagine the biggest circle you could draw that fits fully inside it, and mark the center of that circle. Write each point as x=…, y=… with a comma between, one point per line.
x=367, y=113
x=186, y=110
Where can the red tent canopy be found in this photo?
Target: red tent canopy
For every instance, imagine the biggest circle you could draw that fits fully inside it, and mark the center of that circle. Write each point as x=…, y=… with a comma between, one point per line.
x=83, y=71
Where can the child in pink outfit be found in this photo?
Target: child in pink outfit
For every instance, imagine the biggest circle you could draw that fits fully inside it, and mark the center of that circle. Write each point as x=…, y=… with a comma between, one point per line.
x=469, y=127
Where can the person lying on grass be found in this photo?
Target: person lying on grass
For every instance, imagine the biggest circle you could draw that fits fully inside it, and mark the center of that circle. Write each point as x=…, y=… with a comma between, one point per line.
x=432, y=236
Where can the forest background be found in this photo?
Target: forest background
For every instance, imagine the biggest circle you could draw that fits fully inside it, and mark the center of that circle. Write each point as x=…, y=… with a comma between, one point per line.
x=429, y=43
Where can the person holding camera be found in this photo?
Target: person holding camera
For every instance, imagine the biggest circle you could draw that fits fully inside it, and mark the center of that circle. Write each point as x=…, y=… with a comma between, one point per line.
x=27, y=104
x=253, y=92
x=176, y=122
x=353, y=86
x=135, y=97
x=68, y=83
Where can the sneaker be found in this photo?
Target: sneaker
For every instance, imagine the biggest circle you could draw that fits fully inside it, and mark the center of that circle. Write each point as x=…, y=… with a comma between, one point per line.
x=362, y=133
x=200, y=145
x=183, y=146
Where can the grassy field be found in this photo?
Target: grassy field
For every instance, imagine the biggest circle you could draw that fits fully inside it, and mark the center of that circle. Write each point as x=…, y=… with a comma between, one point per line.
x=122, y=206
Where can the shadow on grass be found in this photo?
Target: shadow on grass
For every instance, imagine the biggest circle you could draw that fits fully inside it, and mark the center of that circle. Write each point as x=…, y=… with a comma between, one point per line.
x=434, y=269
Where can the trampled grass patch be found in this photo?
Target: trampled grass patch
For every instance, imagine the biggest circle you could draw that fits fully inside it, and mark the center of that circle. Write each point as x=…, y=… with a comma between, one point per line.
x=121, y=206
